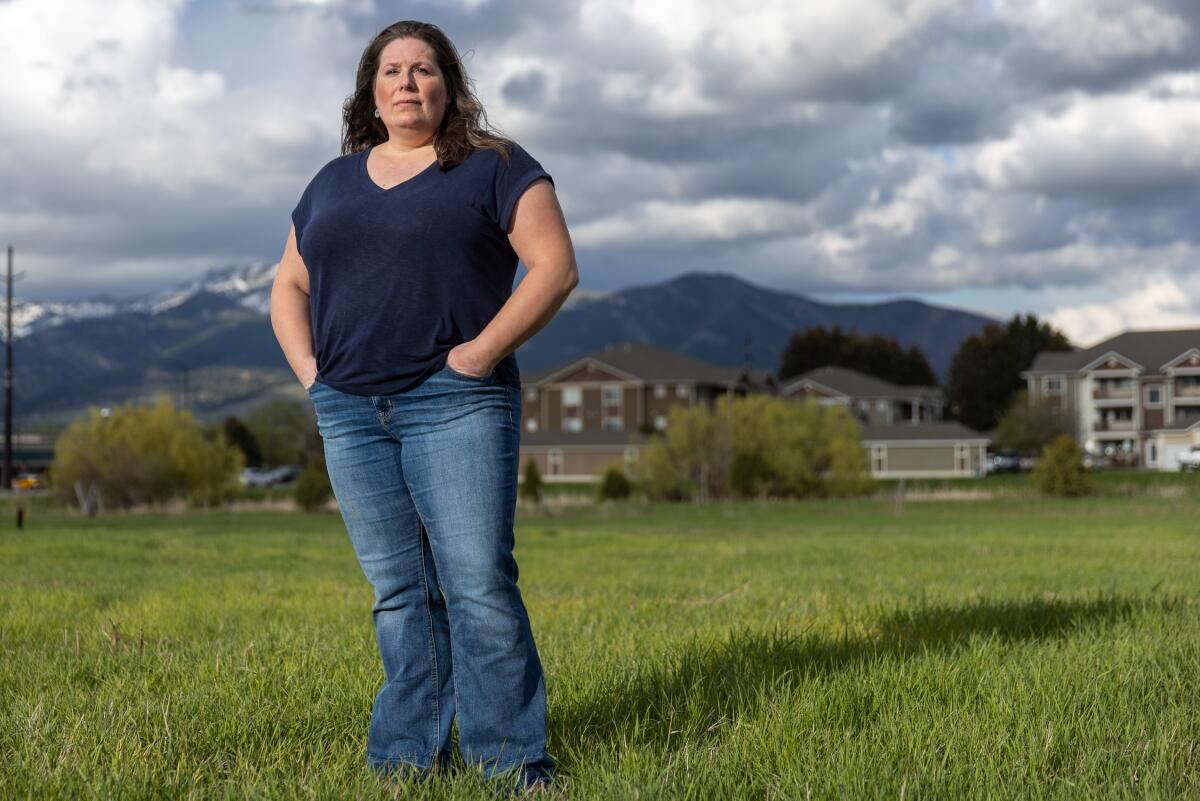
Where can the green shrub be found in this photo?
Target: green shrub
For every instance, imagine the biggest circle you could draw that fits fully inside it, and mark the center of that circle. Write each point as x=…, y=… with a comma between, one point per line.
x=313, y=489
x=144, y=454
x=755, y=445
x=750, y=475
x=531, y=483
x=1060, y=471
x=614, y=486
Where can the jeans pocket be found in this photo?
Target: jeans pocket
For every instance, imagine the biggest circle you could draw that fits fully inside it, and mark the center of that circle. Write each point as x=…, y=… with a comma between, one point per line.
x=479, y=378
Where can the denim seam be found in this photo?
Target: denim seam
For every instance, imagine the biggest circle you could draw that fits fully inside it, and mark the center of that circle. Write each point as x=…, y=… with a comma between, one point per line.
x=437, y=719
x=449, y=620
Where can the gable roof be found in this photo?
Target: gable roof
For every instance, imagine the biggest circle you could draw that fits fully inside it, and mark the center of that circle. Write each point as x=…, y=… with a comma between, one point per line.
x=857, y=385
x=649, y=362
x=1150, y=348
x=949, y=430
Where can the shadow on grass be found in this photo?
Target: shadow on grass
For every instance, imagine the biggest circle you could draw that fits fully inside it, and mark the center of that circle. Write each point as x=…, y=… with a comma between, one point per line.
x=703, y=684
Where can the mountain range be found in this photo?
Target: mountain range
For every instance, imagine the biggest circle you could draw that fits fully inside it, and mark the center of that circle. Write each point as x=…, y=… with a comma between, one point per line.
x=209, y=341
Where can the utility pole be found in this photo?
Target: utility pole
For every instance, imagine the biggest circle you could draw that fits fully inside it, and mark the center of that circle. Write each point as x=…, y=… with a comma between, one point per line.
x=8, y=377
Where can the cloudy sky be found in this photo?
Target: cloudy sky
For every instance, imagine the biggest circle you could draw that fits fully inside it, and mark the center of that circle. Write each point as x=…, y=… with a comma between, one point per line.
x=994, y=155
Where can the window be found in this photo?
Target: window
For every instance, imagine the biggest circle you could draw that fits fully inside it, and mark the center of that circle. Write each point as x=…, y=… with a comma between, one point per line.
x=531, y=424
x=1153, y=396
x=681, y=391
x=660, y=390
x=612, y=412
x=572, y=398
x=962, y=457
x=1052, y=384
x=531, y=394
x=660, y=421
x=555, y=461
x=881, y=406
x=879, y=458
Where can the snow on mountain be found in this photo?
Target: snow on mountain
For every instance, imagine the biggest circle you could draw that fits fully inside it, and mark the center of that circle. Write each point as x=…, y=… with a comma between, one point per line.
x=248, y=285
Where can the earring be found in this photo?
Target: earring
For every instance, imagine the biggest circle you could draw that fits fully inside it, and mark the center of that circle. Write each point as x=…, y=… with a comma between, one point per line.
x=376, y=112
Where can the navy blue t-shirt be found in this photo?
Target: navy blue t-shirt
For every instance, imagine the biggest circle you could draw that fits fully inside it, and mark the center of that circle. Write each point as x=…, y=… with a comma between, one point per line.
x=398, y=277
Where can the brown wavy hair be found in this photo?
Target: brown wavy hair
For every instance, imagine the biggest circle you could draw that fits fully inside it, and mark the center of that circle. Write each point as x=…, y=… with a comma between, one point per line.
x=464, y=127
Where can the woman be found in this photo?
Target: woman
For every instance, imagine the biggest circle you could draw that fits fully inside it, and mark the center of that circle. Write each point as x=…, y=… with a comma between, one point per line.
x=394, y=306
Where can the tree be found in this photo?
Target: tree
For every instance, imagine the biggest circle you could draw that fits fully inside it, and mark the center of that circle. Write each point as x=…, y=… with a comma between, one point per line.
x=614, y=486
x=876, y=355
x=1030, y=426
x=985, y=373
x=531, y=484
x=1060, y=471
x=285, y=432
x=240, y=435
x=313, y=489
x=144, y=454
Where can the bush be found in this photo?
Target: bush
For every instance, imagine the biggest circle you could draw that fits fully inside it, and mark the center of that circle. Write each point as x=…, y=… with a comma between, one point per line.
x=750, y=474
x=1060, y=471
x=144, y=454
x=755, y=446
x=531, y=484
x=313, y=489
x=614, y=486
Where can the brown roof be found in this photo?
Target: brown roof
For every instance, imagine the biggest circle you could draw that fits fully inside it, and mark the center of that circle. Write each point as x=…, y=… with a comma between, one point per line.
x=568, y=438
x=1150, y=349
x=949, y=430
x=649, y=363
x=859, y=385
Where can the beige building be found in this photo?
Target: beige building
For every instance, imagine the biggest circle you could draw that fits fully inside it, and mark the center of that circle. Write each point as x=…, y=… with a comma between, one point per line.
x=1134, y=396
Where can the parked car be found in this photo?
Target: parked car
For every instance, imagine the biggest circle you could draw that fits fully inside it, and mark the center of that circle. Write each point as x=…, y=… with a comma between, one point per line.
x=28, y=481
x=1190, y=459
x=267, y=477
x=1005, y=461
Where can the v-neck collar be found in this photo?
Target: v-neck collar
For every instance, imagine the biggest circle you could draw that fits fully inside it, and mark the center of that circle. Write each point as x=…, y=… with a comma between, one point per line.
x=420, y=177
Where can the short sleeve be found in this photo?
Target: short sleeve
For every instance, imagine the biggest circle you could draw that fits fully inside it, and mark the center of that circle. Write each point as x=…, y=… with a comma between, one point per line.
x=512, y=179
x=301, y=213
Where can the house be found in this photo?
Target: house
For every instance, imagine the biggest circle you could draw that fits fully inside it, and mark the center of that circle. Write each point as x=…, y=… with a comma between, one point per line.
x=1134, y=396
x=940, y=449
x=901, y=426
x=599, y=409
x=872, y=400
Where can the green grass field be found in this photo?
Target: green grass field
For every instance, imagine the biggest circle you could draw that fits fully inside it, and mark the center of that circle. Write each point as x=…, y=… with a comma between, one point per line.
x=1005, y=648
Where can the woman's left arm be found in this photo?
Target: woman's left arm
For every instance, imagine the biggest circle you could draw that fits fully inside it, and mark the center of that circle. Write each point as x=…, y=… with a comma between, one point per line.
x=539, y=236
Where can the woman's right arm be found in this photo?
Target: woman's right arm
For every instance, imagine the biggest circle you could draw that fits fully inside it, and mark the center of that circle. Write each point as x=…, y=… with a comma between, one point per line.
x=289, y=312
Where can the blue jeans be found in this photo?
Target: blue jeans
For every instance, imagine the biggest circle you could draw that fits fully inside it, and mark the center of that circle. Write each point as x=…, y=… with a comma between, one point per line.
x=426, y=481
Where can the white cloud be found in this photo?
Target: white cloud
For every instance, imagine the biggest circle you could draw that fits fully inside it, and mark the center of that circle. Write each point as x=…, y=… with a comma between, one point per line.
x=1116, y=142
x=1089, y=35
x=1161, y=301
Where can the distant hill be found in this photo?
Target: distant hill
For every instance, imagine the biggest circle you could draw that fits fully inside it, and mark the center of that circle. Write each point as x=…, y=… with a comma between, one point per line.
x=709, y=315
x=209, y=342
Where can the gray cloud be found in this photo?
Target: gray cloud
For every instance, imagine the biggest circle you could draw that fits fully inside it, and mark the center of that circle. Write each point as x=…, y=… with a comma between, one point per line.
x=903, y=146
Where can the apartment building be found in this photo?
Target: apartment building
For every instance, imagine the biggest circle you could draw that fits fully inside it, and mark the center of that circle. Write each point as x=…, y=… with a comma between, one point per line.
x=1134, y=396
x=600, y=409
x=579, y=417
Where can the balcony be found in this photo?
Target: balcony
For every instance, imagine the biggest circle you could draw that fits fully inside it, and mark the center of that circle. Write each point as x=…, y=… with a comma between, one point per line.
x=1112, y=392
x=1113, y=425
x=1187, y=391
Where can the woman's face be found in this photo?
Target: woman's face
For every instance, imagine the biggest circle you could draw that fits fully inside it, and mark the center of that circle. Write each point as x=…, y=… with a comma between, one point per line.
x=409, y=89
